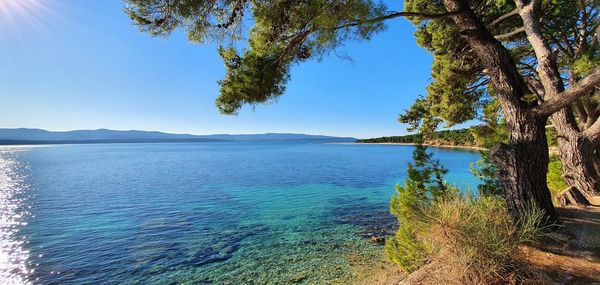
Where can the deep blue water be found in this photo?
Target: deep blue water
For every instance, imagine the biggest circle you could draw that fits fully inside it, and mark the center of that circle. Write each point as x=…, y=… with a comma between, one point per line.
x=198, y=213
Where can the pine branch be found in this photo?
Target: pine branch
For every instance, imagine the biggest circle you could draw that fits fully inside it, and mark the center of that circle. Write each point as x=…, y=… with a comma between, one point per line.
x=509, y=35
x=503, y=17
x=567, y=97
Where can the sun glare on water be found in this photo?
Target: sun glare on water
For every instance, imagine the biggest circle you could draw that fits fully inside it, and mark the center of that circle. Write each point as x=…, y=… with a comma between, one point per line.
x=13, y=216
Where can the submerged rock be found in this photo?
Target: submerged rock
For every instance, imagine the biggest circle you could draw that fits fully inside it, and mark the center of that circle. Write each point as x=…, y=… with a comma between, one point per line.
x=377, y=239
x=375, y=220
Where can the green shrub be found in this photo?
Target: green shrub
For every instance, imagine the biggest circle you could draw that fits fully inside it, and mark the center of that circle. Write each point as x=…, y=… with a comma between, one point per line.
x=468, y=239
x=423, y=186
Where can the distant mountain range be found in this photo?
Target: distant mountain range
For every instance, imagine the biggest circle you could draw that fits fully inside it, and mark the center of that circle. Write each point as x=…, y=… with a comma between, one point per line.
x=38, y=136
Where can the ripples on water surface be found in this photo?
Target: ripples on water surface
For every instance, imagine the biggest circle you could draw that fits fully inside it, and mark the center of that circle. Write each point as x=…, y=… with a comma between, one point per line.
x=199, y=213
x=13, y=216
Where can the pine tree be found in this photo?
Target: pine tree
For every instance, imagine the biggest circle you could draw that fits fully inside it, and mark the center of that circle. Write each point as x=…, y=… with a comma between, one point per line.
x=424, y=184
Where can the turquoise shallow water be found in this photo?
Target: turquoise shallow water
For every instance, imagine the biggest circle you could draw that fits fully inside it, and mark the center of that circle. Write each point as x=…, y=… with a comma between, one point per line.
x=198, y=213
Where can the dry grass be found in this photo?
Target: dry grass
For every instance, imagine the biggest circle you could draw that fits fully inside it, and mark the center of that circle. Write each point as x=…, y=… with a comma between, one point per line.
x=473, y=241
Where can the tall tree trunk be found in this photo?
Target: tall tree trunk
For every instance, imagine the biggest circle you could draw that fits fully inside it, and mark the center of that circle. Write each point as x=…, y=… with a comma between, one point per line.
x=577, y=154
x=573, y=148
x=579, y=162
x=523, y=163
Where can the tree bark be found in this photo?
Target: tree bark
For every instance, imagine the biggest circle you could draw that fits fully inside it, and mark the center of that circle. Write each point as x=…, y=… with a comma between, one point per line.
x=523, y=163
x=577, y=154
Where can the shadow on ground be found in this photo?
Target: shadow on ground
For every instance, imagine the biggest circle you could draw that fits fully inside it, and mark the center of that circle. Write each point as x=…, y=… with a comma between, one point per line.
x=573, y=255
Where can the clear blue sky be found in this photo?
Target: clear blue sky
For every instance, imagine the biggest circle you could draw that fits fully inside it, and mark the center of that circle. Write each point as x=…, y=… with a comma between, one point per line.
x=75, y=64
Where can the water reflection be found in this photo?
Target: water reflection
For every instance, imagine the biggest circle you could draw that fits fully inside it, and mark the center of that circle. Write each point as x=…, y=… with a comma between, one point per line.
x=13, y=216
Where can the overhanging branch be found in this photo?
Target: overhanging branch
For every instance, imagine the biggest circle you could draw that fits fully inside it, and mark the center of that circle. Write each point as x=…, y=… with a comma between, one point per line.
x=300, y=37
x=394, y=14
x=567, y=97
x=593, y=133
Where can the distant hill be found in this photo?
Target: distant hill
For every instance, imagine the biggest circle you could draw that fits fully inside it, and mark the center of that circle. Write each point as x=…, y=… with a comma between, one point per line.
x=277, y=137
x=38, y=136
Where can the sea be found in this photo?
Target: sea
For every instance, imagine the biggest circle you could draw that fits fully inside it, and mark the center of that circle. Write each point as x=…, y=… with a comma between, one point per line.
x=287, y=212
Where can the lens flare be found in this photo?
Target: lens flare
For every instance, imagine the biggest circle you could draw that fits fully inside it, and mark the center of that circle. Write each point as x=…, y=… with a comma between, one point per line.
x=17, y=14
x=11, y=10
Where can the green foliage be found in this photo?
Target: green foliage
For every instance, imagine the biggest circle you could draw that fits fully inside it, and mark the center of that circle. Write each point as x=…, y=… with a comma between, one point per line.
x=461, y=137
x=487, y=171
x=406, y=249
x=419, y=117
x=491, y=132
x=460, y=91
x=556, y=182
x=583, y=64
x=459, y=87
x=423, y=186
x=203, y=21
x=577, y=53
x=552, y=136
x=250, y=79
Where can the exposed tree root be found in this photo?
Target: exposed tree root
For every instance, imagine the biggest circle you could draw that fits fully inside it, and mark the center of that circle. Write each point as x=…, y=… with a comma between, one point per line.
x=572, y=197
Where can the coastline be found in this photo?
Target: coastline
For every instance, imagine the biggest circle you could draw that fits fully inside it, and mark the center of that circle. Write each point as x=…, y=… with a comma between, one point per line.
x=473, y=148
